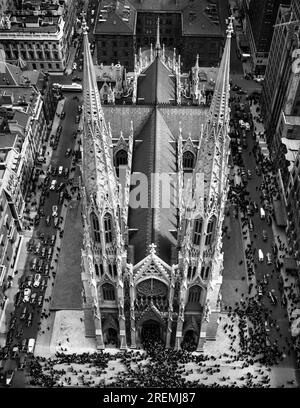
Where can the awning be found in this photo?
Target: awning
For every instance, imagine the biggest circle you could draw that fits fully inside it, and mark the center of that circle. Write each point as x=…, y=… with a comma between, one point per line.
x=280, y=213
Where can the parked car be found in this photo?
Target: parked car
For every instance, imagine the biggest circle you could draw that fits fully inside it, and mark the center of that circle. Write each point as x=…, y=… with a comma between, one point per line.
x=33, y=298
x=77, y=119
x=53, y=184
x=63, y=115
x=37, y=280
x=48, y=220
x=29, y=280
x=265, y=235
x=60, y=170
x=61, y=186
x=56, y=222
x=66, y=172
x=40, y=300
x=43, y=254
x=272, y=298
x=29, y=320
x=52, y=240
x=24, y=344
x=269, y=258
x=12, y=323
x=54, y=211
x=47, y=270
x=23, y=314
x=68, y=152
x=260, y=255
x=61, y=197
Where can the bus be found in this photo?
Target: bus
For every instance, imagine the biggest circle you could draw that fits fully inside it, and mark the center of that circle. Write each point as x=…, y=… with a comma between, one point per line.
x=74, y=87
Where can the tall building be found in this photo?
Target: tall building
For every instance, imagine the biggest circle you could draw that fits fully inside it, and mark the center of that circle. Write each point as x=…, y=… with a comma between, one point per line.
x=40, y=34
x=154, y=189
x=260, y=19
x=192, y=27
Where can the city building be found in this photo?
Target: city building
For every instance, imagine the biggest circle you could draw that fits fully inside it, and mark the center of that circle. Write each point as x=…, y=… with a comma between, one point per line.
x=260, y=19
x=192, y=27
x=6, y=5
x=154, y=188
x=39, y=33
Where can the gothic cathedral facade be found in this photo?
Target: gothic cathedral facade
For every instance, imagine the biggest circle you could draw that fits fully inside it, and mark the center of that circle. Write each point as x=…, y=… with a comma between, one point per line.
x=154, y=188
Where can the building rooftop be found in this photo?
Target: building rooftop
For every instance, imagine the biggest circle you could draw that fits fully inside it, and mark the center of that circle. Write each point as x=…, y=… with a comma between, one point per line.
x=115, y=16
x=199, y=17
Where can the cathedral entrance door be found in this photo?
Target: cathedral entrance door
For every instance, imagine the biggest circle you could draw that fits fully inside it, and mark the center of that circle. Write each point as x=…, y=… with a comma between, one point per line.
x=151, y=330
x=112, y=337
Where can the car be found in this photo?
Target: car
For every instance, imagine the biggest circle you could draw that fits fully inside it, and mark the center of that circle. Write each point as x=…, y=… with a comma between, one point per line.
x=262, y=213
x=66, y=172
x=79, y=108
x=265, y=279
x=23, y=345
x=54, y=211
x=20, y=332
x=250, y=223
x=259, y=291
x=249, y=174
x=68, y=152
x=53, y=184
x=50, y=253
x=63, y=115
x=272, y=298
x=77, y=119
x=29, y=320
x=47, y=270
x=43, y=254
x=56, y=223
x=31, y=344
x=241, y=123
x=74, y=65
x=265, y=235
x=54, y=171
x=48, y=220
x=59, y=129
x=61, y=186
x=40, y=300
x=33, y=298
x=268, y=342
x=37, y=248
x=12, y=323
x=29, y=280
x=60, y=170
x=61, y=197
x=43, y=284
x=37, y=280
x=37, y=219
x=260, y=255
x=236, y=88
x=23, y=314
x=269, y=258
x=18, y=299
x=15, y=352
x=41, y=211
x=9, y=377
x=247, y=125
x=52, y=240
x=26, y=296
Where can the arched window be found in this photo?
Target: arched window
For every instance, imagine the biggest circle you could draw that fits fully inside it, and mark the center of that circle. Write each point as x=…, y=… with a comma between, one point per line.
x=95, y=226
x=121, y=158
x=101, y=269
x=189, y=274
x=194, y=294
x=108, y=291
x=108, y=228
x=115, y=270
x=197, y=231
x=188, y=160
x=194, y=271
x=206, y=273
x=97, y=269
x=202, y=272
x=209, y=231
x=110, y=269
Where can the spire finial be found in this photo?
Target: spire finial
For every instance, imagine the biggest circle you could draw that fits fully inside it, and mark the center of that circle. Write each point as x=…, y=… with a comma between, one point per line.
x=157, y=45
x=83, y=24
x=197, y=61
x=229, y=30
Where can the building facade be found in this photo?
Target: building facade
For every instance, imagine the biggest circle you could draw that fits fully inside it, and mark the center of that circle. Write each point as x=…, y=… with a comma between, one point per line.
x=192, y=27
x=260, y=19
x=151, y=259
x=39, y=34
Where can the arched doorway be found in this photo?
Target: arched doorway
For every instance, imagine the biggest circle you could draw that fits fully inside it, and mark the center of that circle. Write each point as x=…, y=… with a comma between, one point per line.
x=112, y=337
x=189, y=342
x=151, y=331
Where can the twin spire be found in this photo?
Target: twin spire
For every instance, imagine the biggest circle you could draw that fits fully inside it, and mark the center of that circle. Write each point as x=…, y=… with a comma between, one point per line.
x=157, y=45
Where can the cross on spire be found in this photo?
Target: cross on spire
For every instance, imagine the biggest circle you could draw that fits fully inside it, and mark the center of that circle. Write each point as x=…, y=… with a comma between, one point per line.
x=230, y=26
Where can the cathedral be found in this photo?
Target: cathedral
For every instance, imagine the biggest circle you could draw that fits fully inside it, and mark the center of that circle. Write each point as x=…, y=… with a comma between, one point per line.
x=154, y=186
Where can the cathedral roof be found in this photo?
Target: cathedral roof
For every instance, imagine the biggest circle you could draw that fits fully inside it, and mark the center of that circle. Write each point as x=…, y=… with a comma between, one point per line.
x=156, y=84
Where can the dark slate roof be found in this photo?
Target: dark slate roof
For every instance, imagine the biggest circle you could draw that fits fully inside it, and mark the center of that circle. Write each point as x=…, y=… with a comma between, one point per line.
x=156, y=84
x=116, y=17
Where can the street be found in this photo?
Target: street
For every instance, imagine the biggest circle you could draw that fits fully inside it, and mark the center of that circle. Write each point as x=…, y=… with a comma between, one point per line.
x=42, y=232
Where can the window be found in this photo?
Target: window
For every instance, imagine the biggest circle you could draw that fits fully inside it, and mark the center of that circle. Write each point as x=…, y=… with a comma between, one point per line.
x=95, y=226
x=50, y=65
x=209, y=231
x=197, y=231
x=188, y=160
x=42, y=65
x=194, y=271
x=194, y=294
x=121, y=158
x=101, y=270
x=189, y=274
x=206, y=273
x=108, y=228
x=108, y=291
x=202, y=272
x=57, y=66
x=34, y=66
x=97, y=269
x=114, y=43
x=115, y=270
